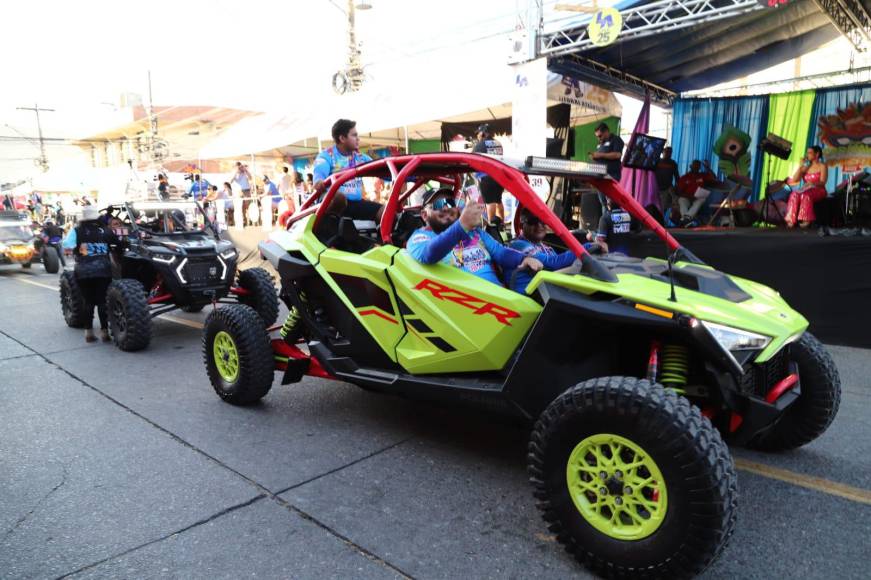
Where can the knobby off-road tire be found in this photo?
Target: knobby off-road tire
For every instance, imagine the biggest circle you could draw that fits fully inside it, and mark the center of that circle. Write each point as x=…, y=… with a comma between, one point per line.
x=238, y=354
x=72, y=304
x=262, y=297
x=653, y=436
x=815, y=409
x=129, y=317
x=50, y=261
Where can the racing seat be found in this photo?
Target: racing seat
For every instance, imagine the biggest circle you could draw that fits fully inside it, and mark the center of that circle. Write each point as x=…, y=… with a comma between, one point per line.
x=342, y=234
x=408, y=221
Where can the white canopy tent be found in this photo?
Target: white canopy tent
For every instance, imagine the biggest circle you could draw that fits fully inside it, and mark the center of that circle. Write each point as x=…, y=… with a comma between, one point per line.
x=467, y=87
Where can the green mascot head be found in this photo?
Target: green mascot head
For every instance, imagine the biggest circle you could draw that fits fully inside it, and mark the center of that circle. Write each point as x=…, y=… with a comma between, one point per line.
x=733, y=149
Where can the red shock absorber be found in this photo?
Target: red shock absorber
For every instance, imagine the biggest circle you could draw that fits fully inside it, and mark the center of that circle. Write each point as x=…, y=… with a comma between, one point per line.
x=653, y=362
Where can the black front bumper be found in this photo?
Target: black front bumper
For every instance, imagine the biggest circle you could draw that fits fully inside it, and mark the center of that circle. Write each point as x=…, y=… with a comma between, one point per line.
x=200, y=280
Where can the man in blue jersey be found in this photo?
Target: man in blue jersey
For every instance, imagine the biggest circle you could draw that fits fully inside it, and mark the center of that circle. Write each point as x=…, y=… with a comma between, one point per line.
x=344, y=155
x=199, y=187
x=451, y=237
x=531, y=242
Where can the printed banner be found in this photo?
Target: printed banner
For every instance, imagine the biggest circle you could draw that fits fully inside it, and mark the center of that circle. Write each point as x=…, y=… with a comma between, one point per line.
x=847, y=136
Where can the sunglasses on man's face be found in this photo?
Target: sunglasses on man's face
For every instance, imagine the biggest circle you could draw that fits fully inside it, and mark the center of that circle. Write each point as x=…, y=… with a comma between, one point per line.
x=442, y=203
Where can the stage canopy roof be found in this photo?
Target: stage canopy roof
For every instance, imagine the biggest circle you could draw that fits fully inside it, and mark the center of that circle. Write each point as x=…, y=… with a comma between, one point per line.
x=671, y=46
x=385, y=110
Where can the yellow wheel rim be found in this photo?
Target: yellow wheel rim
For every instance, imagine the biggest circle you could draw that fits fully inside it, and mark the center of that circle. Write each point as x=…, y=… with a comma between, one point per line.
x=226, y=356
x=617, y=487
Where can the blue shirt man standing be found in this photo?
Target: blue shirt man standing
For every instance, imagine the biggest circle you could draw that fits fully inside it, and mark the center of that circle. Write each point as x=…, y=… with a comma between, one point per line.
x=343, y=155
x=270, y=190
x=199, y=188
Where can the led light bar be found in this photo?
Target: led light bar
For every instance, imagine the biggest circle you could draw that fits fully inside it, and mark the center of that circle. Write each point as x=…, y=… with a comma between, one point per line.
x=548, y=164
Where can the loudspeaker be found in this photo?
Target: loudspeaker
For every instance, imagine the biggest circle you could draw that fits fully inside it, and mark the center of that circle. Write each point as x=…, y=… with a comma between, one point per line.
x=554, y=148
x=777, y=146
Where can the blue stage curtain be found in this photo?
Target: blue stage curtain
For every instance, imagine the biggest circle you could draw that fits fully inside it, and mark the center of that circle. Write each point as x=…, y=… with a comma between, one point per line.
x=697, y=123
x=827, y=102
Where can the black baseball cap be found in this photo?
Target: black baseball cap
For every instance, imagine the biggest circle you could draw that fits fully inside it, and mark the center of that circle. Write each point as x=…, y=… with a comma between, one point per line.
x=432, y=194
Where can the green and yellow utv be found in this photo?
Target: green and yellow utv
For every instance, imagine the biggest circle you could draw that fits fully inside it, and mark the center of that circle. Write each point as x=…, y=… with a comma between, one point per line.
x=632, y=371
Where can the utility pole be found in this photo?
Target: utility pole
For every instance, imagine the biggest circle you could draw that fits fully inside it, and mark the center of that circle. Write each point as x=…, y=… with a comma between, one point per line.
x=351, y=79
x=43, y=159
x=355, y=69
x=158, y=149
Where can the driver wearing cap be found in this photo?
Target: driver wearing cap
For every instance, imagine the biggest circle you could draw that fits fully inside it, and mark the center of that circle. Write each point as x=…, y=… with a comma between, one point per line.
x=451, y=237
x=531, y=242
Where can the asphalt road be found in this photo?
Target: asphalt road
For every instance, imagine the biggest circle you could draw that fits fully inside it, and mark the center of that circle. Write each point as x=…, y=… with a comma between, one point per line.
x=127, y=465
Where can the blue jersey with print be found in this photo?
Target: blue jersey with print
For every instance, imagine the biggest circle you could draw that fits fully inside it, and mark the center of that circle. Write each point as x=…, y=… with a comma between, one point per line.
x=91, y=248
x=542, y=252
x=199, y=189
x=330, y=161
x=472, y=252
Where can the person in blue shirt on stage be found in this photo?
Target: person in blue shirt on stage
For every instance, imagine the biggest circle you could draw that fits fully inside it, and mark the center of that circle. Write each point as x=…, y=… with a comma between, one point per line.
x=451, y=237
x=531, y=243
x=343, y=155
x=199, y=188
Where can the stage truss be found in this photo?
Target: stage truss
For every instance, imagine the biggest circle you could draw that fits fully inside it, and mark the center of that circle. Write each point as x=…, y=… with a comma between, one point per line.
x=564, y=43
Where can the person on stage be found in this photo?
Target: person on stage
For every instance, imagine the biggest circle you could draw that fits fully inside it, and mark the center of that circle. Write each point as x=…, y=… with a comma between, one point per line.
x=813, y=173
x=693, y=190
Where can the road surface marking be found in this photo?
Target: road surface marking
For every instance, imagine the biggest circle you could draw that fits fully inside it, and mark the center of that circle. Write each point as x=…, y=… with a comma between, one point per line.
x=182, y=321
x=26, y=281
x=807, y=481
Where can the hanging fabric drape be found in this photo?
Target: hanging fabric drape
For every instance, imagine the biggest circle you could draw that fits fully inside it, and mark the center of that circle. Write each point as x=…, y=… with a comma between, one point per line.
x=641, y=182
x=699, y=122
x=827, y=102
x=789, y=116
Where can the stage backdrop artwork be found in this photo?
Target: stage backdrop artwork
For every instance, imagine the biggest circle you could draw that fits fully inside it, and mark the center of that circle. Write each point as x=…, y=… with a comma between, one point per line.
x=698, y=123
x=806, y=118
x=827, y=103
x=847, y=137
x=733, y=150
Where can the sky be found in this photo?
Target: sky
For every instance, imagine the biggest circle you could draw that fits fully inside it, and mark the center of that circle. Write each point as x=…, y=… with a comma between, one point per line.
x=79, y=57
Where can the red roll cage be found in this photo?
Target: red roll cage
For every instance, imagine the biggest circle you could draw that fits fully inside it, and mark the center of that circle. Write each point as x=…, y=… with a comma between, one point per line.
x=447, y=168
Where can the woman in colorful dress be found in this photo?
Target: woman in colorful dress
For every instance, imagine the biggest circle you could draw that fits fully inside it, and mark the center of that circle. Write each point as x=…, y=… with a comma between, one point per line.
x=813, y=173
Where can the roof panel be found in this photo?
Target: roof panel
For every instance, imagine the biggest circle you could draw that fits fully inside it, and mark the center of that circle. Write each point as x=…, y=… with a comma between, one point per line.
x=711, y=53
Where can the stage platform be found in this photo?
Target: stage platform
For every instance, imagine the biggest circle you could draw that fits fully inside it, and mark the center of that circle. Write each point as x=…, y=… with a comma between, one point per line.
x=827, y=279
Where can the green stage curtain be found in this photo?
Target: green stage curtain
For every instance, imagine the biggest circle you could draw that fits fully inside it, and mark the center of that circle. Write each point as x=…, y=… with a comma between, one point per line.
x=585, y=138
x=789, y=116
x=424, y=145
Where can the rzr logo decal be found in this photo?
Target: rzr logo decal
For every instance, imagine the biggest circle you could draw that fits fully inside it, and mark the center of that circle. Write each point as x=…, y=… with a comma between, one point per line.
x=478, y=305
